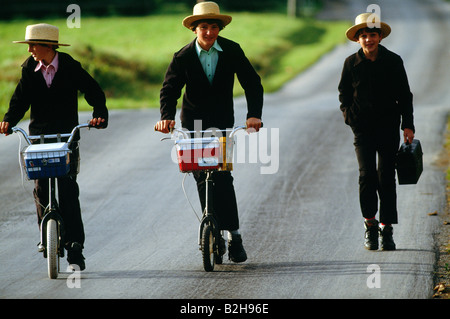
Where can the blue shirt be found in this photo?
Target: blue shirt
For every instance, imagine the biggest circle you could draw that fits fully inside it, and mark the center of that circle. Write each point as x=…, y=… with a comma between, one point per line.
x=209, y=59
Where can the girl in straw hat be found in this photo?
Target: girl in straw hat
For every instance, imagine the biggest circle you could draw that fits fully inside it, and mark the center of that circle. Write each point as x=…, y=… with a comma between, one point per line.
x=207, y=67
x=376, y=102
x=49, y=85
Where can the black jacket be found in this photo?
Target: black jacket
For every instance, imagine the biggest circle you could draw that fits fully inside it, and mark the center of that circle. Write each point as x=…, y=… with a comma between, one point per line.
x=211, y=103
x=54, y=109
x=375, y=94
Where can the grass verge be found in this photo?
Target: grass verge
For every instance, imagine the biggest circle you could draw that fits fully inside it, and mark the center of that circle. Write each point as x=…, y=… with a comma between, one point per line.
x=442, y=289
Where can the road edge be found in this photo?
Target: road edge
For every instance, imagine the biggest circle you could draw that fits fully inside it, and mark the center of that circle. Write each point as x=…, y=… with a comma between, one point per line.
x=442, y=268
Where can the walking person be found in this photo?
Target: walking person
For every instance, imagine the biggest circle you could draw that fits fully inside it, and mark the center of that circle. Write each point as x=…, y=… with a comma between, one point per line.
x=206, y=67
x=50, y=84
x=376, y=103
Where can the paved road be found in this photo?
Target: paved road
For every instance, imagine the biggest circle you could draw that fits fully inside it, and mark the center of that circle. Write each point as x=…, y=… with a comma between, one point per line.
x=301, y=225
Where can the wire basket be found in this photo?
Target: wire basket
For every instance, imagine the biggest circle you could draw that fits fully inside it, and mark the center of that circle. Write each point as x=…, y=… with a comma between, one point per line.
x=46, y=160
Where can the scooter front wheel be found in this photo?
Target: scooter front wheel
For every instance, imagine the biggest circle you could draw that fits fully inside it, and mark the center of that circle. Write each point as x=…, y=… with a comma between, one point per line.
x=52, y=248
x=207, y=246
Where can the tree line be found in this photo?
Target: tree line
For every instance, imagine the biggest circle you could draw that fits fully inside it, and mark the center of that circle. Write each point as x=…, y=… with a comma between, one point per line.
x=17, y=9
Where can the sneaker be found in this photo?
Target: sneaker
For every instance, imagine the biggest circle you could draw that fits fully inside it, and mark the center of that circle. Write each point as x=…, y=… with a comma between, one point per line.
x=387, y=241
x=371, y=234
x=236, y=252
x=75, y=256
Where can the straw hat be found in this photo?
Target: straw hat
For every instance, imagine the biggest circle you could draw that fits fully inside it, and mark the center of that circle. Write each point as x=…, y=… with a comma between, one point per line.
x=42, y=33
x=361, y=22
x=206, y=10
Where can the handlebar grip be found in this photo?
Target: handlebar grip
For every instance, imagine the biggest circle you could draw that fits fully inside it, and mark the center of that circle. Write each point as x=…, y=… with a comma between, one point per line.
x=170, y=129
x=262, y=124
x=102, y=125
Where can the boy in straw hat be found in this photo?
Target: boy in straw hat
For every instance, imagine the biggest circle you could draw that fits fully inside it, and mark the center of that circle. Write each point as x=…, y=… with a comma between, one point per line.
x=376, y=102
x=207, y=67
x=49, y=84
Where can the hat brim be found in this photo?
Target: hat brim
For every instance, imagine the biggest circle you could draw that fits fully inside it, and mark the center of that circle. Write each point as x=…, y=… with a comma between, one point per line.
x=187, y=22
x=41, y=42
x=351, y=32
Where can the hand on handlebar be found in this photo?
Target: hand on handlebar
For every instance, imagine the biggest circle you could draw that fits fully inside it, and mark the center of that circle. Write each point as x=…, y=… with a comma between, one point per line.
x=98, y=122
x=4, y=128
x=253, y=124
x=164, y=126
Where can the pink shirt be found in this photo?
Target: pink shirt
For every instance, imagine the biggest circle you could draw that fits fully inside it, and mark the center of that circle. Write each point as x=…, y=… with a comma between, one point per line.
x=48, y=71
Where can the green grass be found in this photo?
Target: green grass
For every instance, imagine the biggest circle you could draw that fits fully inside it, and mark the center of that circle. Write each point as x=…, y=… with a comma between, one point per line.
x=128, y=56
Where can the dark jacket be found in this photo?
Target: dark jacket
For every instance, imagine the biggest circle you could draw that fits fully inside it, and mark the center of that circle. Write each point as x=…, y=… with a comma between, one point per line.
x=211, y=103
x=375, y=94
x=54, y=109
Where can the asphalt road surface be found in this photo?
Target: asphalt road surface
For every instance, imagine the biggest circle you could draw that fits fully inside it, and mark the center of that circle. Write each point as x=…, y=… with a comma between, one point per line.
x=298, y=200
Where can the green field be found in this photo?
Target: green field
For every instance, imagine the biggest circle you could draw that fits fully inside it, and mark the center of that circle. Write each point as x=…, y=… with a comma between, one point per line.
x=128, y=56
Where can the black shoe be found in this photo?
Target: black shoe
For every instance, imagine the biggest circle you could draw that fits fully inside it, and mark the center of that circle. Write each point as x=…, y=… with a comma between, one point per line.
x=371, y=235
x=75, y=256
x=236, y=252
x=387, y=241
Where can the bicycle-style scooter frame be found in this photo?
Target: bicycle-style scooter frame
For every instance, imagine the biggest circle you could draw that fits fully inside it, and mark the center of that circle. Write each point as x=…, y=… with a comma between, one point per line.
x=52, y=231
x=210, y=236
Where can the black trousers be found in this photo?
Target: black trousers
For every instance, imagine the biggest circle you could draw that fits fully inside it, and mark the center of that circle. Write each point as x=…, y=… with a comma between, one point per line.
x=377, y=183
x=68, y=200
x=224, y=198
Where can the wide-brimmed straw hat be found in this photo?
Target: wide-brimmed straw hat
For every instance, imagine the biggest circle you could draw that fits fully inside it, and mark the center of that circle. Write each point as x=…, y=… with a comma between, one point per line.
x=363, y=21
x=206, y=10
x=42, y=33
